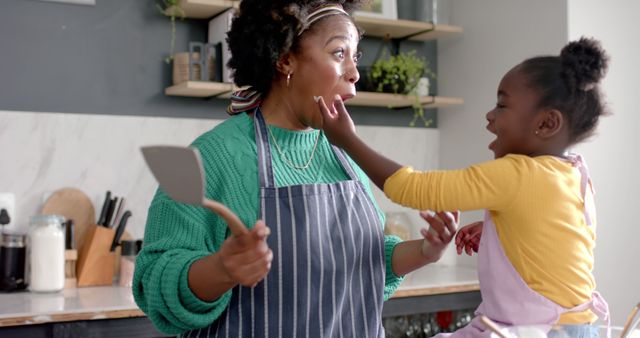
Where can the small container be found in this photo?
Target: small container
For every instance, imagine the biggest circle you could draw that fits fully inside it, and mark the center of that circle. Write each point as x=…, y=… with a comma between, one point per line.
x=46, y=253
x=128, y=253
x=12, y=263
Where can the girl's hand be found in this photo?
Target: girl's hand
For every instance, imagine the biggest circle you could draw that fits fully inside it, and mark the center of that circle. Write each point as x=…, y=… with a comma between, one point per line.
x=246, y=259
x=442, y=228
x=336, y=122
x=468, y=238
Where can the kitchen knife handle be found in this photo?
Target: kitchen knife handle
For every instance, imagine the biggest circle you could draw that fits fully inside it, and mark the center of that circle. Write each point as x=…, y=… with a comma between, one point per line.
x=110, y=210
x=105, y=206
x=120, y=230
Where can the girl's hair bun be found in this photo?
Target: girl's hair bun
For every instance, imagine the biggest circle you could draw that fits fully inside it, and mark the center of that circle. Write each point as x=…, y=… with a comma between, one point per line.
x=584, y=64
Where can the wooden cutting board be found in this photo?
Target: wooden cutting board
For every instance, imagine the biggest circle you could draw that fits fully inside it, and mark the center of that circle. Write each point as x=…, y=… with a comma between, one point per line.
x=73, y=204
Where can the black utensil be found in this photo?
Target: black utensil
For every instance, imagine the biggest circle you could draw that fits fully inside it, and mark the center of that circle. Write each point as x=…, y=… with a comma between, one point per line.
x=110, y=211
x=117, y=213
x=120, y=229
x=105, y=207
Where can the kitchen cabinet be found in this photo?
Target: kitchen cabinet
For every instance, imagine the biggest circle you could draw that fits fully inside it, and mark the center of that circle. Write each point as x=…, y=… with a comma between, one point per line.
x=435, y=288
x=374, y=27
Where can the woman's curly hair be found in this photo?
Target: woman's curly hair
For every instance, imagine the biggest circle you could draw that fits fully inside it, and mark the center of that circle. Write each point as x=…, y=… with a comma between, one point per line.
x=262, y=31
x=570, y=83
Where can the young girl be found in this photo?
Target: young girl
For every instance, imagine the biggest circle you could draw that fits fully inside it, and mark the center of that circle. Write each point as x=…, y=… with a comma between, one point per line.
x=535, y=257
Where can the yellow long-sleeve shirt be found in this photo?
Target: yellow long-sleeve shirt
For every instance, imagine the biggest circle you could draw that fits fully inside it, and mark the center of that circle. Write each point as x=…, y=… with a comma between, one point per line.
x=538, y=209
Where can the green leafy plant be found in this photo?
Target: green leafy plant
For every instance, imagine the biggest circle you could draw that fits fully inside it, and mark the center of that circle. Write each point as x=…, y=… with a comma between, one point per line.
x=172, y=9
x=399, y=74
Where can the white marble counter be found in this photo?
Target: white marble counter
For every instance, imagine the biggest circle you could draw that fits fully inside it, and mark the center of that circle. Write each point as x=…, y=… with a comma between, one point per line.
x=21, y=308
x=438, y=279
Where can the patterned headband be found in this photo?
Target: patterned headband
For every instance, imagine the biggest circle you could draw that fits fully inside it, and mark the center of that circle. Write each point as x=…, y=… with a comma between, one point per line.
x=249, y=99
x=319, y=13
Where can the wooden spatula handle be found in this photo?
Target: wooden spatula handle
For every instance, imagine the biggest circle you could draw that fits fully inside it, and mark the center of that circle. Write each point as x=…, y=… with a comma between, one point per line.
x=491, y=325
x=235, y=224
x=627, y=325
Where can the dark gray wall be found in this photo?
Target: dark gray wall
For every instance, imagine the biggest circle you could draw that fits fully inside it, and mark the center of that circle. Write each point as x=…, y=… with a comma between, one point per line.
x=109, y=59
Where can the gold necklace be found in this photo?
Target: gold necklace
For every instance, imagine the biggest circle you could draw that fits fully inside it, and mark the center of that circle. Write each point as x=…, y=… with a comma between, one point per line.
x=284, y=157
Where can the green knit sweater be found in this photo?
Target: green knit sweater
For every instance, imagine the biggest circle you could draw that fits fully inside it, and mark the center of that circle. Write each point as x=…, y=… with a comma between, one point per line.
x=177, y=234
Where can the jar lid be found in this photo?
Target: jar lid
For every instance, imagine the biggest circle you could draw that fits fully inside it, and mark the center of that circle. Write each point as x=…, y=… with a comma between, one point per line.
x=12, y=241
x=48, y=219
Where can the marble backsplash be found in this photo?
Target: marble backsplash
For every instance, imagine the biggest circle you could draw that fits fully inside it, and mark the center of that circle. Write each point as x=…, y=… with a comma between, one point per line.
x=43, y=152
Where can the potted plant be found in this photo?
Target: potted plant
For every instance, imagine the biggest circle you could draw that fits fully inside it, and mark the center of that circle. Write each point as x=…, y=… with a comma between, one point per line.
x=399, y=74
x=172, y=9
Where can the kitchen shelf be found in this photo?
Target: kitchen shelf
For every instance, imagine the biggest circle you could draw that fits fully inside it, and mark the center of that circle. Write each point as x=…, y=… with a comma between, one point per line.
x=202, y=9
x=384, y=28
x=399, y=29
x=366, y=99
x=376, y=27
x=370, y=99
x=199, y=89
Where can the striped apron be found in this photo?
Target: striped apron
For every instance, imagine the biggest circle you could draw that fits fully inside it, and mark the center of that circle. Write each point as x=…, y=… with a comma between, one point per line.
x=328, y=270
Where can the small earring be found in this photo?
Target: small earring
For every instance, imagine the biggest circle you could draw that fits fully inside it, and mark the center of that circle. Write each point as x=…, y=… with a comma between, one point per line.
x=536, y=132
x=288, y=79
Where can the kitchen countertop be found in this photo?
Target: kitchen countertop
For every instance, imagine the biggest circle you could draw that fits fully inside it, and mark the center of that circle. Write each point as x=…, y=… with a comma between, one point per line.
x=438, y=279
x=88, y=303
x=112, y=302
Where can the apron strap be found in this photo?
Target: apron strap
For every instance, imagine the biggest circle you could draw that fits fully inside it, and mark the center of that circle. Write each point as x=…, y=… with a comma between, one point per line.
x=265, y=169
x=342, y=157
x=599, y=306
x=585, y=181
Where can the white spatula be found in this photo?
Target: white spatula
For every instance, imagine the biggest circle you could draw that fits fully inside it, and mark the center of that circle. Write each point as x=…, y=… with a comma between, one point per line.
x=179, y=172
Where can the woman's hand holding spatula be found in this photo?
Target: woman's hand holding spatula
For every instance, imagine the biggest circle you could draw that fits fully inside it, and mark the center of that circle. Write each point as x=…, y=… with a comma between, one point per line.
x=244, y=258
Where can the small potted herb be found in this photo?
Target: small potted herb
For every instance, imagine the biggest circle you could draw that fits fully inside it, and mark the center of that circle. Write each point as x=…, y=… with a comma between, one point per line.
x=399, y=74
x=172, y=9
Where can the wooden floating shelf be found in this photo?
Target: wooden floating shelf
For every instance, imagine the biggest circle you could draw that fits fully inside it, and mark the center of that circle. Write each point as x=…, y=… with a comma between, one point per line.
x=202, y=9
x=398, y=29
x=366, y=99
x=199, y=89
x=387, y=100
x=384, y=28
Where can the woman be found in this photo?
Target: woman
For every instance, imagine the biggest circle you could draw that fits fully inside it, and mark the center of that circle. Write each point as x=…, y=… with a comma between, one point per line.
x=323, y=267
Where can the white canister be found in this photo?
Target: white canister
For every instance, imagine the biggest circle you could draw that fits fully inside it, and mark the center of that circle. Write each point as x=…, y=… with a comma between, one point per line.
x=46, y=253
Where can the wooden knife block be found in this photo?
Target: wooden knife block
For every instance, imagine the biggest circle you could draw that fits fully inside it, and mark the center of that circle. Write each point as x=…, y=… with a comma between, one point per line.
x=96, y=264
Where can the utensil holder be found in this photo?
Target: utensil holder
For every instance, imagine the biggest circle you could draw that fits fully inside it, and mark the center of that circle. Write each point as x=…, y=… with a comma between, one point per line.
x=96, y=264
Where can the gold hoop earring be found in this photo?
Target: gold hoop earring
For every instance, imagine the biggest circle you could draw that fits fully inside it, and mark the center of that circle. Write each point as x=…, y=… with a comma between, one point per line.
x=288, y=79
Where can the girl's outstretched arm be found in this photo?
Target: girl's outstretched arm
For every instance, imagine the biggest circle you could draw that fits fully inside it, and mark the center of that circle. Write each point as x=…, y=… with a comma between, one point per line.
x=340, y=131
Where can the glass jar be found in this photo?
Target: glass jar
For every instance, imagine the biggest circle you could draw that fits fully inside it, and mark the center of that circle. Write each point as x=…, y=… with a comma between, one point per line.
x=12, y=262
x=434, y=11
x=128, y=253
x=398, y=224
x=46, y=253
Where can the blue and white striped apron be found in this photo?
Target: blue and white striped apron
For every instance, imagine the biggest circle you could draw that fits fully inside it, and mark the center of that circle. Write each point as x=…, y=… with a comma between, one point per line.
x=328, y=270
